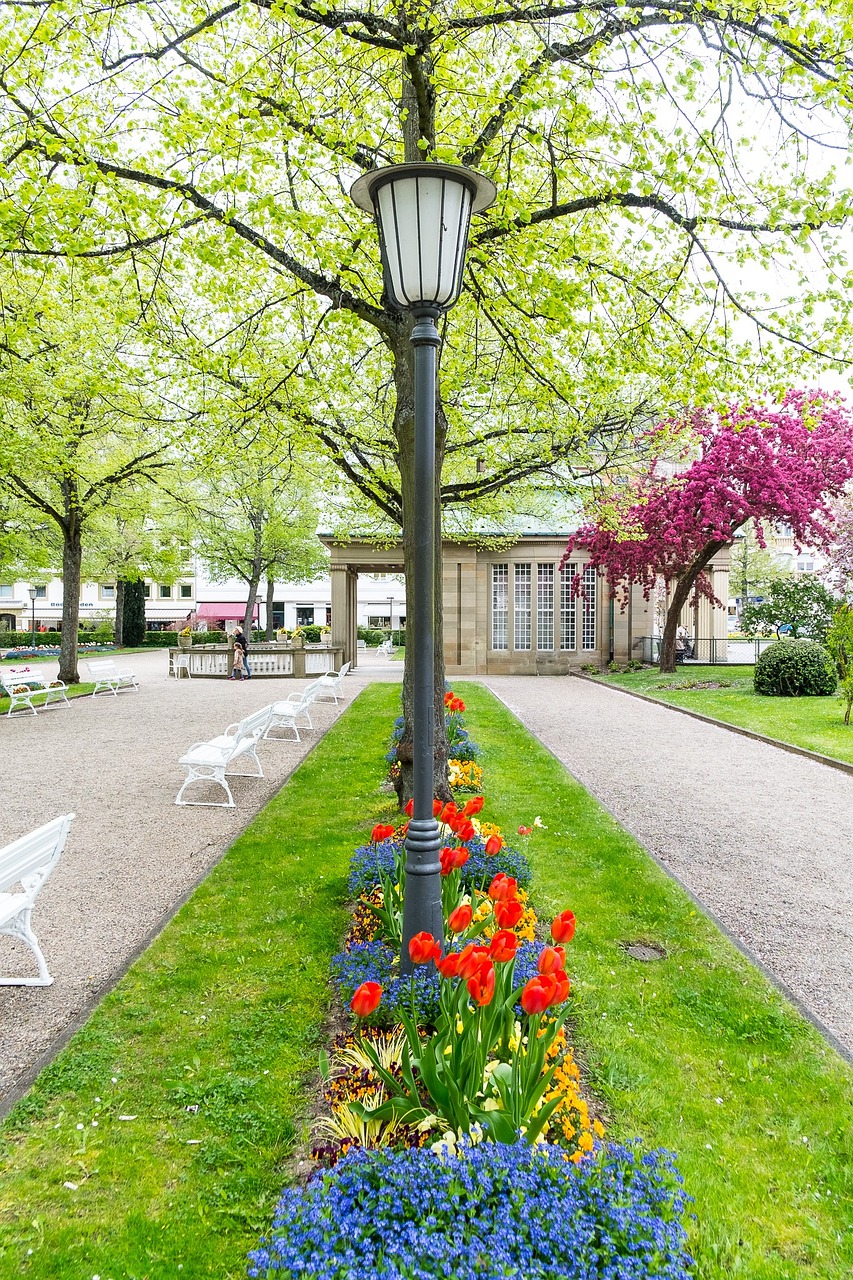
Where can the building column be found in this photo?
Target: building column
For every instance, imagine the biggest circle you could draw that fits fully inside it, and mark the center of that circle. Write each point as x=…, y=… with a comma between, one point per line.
x=340, y=603
x=352, y=617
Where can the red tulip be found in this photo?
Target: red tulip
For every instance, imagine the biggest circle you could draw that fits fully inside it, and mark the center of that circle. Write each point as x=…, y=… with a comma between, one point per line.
x=502, y=946
x=449, y=813
x=508, y=914
x=525, y=831
x=436, y=807
x=449, y=966
x=563, y=987
x=494, y=844
x=410, y=808
x=551, y=959
x=563, y=927
x=465, y=830
x=458, y=920
x=538, y=994
x=473, y=807
x=471, y=958
x=365, y=999
x=453, y=859
x=381, y=832
x=448, y=697
x=423, y=948
x=503, y=888
x=482, y=986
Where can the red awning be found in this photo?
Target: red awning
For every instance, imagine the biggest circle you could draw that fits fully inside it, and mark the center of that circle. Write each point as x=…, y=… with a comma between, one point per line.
x=228, y=612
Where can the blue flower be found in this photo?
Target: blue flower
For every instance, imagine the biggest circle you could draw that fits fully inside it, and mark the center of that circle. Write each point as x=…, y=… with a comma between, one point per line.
x=484, y=1213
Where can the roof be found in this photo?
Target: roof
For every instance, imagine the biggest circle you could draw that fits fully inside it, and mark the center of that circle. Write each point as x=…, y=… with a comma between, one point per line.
x=223, y=609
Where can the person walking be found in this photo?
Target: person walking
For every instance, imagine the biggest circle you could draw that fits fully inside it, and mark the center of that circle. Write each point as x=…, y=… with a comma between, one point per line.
x=242, y=644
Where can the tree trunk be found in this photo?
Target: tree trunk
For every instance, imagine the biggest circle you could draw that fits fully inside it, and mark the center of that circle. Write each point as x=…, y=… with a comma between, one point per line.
x=118, y=630
x=270, y=595
x=683, y=587
x=133, y=615
x=72, y=558
x=404, y=430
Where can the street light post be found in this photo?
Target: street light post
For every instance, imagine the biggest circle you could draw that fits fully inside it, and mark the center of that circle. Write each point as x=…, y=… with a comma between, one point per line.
x=391, y=618
x=32, y=592
x=423, y=212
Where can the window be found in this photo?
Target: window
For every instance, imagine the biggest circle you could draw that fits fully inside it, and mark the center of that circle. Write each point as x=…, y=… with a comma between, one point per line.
x=165, y=591
x=278, y=613
x=186, y=591
x=379, y=621
x=305, y=615
x=5, y=591
x=146, y=590
x=805, y=565
x=589, y=577
x=108, y=591
x=544, y=606
x=568, y=607
x=500, y=606
x=522, y=602
x=41, y=593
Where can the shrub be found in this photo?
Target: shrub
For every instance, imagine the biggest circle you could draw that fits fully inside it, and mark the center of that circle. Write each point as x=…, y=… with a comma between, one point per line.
x=795, y=669
x=490, y=1210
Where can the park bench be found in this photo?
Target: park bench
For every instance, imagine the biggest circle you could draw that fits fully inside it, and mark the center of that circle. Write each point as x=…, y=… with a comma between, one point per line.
x=109, y=679
x=24, y=866
x=210, y=761
x=387, y=647
x=293, y=708
x=330, y=683
x=23, y=687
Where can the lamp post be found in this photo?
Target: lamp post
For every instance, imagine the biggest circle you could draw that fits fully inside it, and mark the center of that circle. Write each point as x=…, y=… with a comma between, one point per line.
x=423, y=212
x=32, y=592
x=391, y=618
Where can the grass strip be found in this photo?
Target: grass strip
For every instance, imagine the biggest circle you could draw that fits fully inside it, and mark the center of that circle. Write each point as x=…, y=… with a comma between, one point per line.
x=206, y=1044
x=698, y=1052
x=73, y=691
x=815, y=724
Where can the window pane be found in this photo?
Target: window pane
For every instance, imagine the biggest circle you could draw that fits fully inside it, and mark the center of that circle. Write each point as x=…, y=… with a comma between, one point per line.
x=589, y=577
x=544, y=606
x=165, y=592
x=186, y=591
x=304, y=615
x=568, y=607
x=41, y=593
x=146, y=590
x=521, y=632
x=108, y=591
x=5, y=591
x=500, y=606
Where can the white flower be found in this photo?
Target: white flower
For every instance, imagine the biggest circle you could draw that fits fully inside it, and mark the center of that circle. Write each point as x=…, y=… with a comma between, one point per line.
x=537, y=822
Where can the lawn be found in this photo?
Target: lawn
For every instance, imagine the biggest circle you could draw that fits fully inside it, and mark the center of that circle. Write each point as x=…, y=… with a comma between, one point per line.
x=160, y=1136
x=817, y=724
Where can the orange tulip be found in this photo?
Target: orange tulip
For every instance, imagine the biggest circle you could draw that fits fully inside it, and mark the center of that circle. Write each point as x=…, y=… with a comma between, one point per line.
x=508, y=914
x=537, y=994
x=551, y=959
x=503, y=888
x=482, y=986
x=365, y=999
x=449, y=966
x=423, y=948
x=494, y=844
x=459, y=919
x=563, y=927
x=503, y=945
x=381, y=832
x=471, y=958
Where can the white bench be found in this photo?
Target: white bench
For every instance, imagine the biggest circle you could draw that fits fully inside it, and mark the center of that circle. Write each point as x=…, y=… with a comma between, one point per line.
x=109, y=679
x=28, y=862
x=330, y=683
x=210, y=761
x=288, y=712
x=21, y=686
x=387, y=647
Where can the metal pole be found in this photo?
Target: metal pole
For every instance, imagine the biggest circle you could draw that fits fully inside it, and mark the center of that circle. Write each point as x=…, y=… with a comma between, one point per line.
x=422, y=900
x=33, y=624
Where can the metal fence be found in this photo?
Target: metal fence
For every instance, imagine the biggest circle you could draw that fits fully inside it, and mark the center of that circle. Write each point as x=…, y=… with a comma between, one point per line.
x=713, y=651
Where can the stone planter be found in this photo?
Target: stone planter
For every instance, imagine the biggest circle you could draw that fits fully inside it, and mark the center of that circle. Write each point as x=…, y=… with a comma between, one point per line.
x=185, y=642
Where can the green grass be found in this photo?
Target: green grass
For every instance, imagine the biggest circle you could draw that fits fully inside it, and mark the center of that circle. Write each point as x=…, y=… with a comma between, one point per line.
x=697, y=1053
x=225, y=1012
x=73, y=691
x=816, y=724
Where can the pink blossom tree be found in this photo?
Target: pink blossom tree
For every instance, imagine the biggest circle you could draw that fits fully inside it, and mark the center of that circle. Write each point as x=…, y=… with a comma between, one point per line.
x=839, y=573
x=747, y=462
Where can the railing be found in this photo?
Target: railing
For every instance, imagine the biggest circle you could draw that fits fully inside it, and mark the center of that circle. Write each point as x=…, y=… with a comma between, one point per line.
x=264, y=660
x=715, y=651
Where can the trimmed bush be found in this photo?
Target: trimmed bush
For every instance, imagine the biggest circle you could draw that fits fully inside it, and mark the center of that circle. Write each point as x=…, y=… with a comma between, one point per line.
x=795, y=669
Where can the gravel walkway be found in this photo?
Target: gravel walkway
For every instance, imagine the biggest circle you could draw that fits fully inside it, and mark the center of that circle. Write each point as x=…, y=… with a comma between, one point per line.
x=760, y=837
x=132, y=855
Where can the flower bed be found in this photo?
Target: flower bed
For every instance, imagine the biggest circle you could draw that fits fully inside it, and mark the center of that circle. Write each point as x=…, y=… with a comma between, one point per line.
x=459, y=1141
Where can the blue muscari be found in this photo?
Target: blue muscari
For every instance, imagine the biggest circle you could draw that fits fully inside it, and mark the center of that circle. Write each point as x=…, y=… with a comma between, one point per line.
x=489, y=1212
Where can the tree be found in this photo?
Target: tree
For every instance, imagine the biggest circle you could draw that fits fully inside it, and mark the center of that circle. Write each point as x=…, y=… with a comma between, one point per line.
x=752, y=568
x=749, y=463
x=133, y=615
x=800, y=603
x=839, y=641
x=598, y=288
x=839, y=554
x=83, y=425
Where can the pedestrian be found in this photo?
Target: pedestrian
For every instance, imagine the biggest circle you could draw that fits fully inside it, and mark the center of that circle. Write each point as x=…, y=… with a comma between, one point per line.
x=237, y=669
x=242, y=644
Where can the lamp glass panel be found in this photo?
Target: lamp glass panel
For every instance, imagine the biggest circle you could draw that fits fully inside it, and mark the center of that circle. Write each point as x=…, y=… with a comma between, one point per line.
x=424, y=223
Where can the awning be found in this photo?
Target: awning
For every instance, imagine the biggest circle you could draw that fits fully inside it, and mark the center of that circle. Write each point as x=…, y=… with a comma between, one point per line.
x=222, y=609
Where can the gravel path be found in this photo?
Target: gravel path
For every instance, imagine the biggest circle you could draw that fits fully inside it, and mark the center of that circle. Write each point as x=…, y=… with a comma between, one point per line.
x=132, y=855
x=760, y=837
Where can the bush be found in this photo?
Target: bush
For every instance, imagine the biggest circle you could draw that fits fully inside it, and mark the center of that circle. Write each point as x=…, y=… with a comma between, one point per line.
x=795, y=669
x=487, y=1211
x=372, y=637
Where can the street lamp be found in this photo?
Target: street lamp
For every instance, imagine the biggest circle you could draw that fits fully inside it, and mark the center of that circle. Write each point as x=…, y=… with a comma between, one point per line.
x=423, y=212
x=390, y=617
x=32, y=592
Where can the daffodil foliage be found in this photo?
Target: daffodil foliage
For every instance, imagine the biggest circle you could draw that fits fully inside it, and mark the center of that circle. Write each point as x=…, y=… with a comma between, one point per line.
x=750, y=463
x=656, y=162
